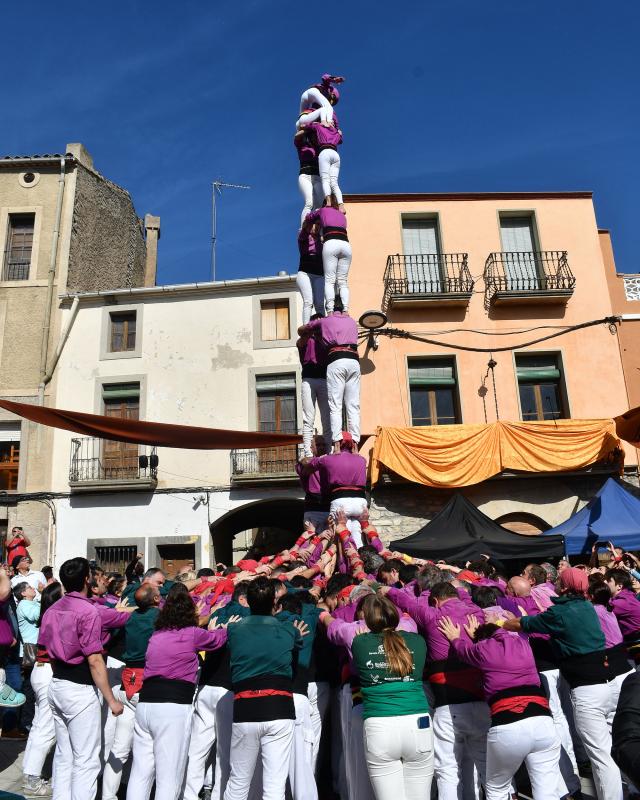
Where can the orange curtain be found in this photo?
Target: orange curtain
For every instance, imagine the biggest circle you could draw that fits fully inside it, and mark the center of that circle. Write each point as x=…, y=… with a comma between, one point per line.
x=461, y=455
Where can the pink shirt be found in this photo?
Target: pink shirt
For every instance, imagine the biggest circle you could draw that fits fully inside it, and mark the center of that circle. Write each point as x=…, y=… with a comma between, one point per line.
x=110, y=619
x=609, y=625
x=173, y=654
x=427, y=618
x=336, y=330
x=505, y=661
x=341, y=469
x=71, y=629
x=328, y=217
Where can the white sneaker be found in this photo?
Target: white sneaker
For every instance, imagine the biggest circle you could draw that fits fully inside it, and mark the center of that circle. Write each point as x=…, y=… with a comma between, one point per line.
x=36, y=787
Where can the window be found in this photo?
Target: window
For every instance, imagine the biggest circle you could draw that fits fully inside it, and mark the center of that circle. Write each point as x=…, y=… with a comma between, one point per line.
x=115, y=558
x=120, y=459
x=540, y=387
x=274, y=320
x=122, y=331
x=518, y=245
x=421, y=247
x=17, y=254
x=433, y=391
x=277, y=412
x=9, y=455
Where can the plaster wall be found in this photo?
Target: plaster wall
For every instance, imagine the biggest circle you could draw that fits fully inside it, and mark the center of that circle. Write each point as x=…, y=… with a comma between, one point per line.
x=591, y=362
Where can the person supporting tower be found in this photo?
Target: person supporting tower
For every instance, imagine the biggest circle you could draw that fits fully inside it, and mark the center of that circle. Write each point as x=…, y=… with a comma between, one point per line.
x=309, y=181
x=326, y=139
x=310, y=277
x=339, y=334
x=344, y=473
x=313, y=358
x=336, y=253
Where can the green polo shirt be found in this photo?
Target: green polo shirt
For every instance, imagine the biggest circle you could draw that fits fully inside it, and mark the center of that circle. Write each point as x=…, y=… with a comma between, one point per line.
x=137, y=632
x=572, y=623
x=261, y=645
x=383, y=693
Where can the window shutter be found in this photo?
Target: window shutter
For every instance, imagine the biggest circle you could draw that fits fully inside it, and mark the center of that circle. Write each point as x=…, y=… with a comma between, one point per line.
x=432, y=372
x=276, y=383
x=534, y=369
x=116, y=391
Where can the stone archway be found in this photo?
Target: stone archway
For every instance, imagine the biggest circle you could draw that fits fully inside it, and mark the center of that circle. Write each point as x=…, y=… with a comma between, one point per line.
x=282, y=516
x=522, y=522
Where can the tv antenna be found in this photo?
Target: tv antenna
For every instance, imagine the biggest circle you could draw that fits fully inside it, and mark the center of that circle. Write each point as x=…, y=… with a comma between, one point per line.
x=217, y=187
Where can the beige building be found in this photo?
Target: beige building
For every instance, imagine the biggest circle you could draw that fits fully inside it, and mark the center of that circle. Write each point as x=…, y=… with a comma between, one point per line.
x=63, y=228
x=219, y=355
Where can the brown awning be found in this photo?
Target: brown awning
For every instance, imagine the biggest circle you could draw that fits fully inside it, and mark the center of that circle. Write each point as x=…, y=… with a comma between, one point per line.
x=628, y=426
x=158, y=434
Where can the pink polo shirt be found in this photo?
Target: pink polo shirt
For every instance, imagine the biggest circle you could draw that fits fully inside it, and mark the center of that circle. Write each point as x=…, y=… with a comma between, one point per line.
x=71, y=629
x=173, y=653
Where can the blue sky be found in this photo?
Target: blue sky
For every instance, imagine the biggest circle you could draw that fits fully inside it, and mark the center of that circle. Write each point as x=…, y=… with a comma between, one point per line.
x=441, y=95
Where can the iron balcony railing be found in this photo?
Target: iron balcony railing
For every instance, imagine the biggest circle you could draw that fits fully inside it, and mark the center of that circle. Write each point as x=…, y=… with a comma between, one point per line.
x=16, y=270
x=541, y=271
x=427, y=274
x=94, y=459
x=268, y=462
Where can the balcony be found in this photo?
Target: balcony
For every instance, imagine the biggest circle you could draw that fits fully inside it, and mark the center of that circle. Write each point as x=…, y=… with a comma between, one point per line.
x=528, y=277
x=100, y=465
x=427, y=279
x=265, y=465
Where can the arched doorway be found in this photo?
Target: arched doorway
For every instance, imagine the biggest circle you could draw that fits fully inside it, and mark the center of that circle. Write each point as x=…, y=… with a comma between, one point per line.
x=279, y=519
x=521, y=522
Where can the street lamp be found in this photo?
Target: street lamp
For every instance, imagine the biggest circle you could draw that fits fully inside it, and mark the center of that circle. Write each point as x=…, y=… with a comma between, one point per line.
x=372, y=320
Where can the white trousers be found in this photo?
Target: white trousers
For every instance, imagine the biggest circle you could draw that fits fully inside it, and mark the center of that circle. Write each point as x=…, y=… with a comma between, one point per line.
x=77, y=719
x=459, y=729
x=42, y=735
x=569, y=778
x=203, y=739
x=224, y=726
x=311, y=288
x=301, y=778
x=273, y=740
x=343, y=389
x=336, y=260
x=121, y=746
x=534, y=741
x=160, y=745
x=114, y=676
x=399, y=757
x=311, y=190
x=594, y=708
x=360, y=787
x=329, y=168
x=310, y=97
x=314, y=391
x=353, y=507
x=319, y=695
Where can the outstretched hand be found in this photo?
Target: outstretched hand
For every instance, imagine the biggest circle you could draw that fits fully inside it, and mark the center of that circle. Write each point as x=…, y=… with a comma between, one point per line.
x=472, y=626
x=449, y=629
x=301, y=627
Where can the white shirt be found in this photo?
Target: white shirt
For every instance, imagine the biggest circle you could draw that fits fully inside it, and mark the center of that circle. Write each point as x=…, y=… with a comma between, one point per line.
x=33, y=578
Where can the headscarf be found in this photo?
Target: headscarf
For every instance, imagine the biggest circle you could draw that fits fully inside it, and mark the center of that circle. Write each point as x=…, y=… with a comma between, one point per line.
x=573, y=579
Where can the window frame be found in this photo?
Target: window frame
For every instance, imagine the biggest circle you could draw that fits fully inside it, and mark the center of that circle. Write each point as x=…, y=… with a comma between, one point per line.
x=276, y=306
x=562, y=382
x=457, y=402
x=258, y=342
x=252, y=394
x=5, y=232
x=105, y=335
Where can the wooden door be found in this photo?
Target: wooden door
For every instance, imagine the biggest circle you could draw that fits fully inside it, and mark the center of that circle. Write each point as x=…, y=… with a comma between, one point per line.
x=120, y=459
x=277, y=414
x=173, y=557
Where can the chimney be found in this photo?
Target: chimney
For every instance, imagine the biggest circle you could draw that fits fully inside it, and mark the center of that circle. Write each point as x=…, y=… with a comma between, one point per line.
x=81, y=154
x=152, y=234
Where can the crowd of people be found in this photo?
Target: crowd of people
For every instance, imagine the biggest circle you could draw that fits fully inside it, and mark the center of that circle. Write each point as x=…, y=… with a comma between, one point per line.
x=334, y=663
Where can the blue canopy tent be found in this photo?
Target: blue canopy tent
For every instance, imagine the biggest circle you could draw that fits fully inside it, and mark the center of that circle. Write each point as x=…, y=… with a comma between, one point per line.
x=612, y=515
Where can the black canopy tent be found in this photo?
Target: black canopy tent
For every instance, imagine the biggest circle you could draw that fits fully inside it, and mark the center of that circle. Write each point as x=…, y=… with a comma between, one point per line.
x=461, y=532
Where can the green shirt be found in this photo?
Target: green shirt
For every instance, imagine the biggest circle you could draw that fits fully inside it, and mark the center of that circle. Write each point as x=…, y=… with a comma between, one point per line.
x=137, y=632
x=572, y=623
x=383, y=693
x=260, y=645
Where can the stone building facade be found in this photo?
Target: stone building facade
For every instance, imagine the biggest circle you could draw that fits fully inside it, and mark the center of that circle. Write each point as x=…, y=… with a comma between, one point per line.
x=63, y=227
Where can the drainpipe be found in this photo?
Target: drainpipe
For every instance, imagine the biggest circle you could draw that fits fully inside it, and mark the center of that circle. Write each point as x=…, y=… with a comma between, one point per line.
x=45, y=376
x=75, y=305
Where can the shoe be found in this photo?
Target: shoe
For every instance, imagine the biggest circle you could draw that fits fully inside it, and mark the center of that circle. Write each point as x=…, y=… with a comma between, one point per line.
x=15, y=733
x=36, y=787
x=9, y=698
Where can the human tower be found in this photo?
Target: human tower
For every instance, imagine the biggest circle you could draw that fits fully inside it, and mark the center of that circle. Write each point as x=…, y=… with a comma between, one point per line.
x=328, y=344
